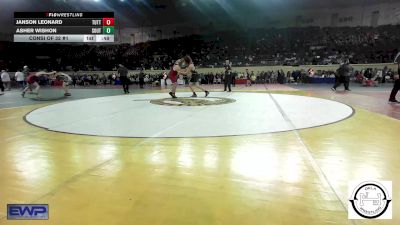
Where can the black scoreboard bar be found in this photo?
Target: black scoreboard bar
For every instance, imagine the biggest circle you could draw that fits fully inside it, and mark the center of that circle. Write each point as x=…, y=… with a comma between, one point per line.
x=64, y=26
x=58, y=22
x=63, y=14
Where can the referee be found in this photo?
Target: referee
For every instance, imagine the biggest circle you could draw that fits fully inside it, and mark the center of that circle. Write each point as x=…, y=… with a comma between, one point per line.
x=123, y=75
x=396, y=87
x=1, y=87
x=228, y=76
x=343, y=76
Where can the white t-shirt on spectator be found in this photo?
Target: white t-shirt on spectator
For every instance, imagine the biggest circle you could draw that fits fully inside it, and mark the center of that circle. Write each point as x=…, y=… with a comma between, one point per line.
x=5, y=77
x=19, y=76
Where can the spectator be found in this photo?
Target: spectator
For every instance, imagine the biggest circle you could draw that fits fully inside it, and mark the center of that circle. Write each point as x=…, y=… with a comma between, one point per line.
x=5, y=77
x=19, y=77
x=248, y=78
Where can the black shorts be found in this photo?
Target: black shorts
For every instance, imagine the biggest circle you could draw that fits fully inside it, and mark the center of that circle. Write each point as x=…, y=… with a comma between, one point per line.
x=124, y=80
x=194, y=78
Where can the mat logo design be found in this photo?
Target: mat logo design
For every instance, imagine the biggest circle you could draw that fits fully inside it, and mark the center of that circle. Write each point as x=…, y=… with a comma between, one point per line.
x=27, y=212
x=370, y=200
x=192, y=101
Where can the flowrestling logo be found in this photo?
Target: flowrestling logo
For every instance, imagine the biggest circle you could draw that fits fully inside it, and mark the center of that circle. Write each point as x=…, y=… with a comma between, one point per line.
x=370, y=200
x=27, y=212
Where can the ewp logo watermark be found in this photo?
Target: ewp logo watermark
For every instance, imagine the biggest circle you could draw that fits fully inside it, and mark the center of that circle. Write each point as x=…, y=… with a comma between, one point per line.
x=27, y=212
x=370, y=200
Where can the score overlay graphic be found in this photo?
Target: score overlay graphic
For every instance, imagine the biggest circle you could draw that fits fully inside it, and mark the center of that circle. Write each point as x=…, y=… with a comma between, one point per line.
x=64, y=26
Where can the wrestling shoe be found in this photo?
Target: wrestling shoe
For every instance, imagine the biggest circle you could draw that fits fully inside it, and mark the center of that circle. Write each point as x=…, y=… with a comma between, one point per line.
x=333, y=89
x=172, y=95
x=207, y=93
x=394, y=101
x=67, y=94
x=194, y=95
x=23, y=94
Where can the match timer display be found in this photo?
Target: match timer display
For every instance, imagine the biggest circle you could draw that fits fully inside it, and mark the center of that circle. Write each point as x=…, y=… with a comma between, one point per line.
x=64, y=26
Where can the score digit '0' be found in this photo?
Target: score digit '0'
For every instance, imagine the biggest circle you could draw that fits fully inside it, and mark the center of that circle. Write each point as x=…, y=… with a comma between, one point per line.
x=108, y=30
x=108, y=21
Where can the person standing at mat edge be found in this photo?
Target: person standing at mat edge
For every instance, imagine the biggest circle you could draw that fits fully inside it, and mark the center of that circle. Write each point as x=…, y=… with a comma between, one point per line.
x=25, y=71
x=248, y=78
x=5, y=77
x=20, y=78
x=396, y=87
x=141, y=78
x=343, y=76
x=123, y=76
x=228, y=76
x=1, y=87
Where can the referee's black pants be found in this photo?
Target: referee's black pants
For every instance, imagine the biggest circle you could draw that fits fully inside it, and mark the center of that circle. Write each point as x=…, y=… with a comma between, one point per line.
x=1, y=86
x=395, y=89
x=227, y=83
x=345, y=80
x=125, y=84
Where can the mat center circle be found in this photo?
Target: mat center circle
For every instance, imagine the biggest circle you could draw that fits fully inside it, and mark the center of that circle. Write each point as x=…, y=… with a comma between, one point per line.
x=155, y=115
x=192, y=101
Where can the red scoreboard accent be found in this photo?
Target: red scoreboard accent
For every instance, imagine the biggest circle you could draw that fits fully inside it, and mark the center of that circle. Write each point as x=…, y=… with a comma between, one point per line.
x=108, y=21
